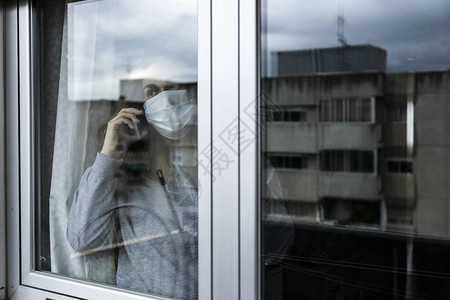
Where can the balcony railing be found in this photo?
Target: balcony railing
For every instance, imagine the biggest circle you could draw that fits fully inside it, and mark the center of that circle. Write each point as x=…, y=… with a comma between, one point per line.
x=311, y=186
x=349, y=136
x=358, y=186
x=301, y=185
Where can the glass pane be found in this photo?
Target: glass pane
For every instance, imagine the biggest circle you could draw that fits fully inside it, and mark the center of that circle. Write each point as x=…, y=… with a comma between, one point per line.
x=117, y=140
x=367, y=216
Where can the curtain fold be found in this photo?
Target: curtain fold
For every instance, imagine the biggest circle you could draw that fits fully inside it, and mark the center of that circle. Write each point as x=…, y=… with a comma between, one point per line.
x=75, y=147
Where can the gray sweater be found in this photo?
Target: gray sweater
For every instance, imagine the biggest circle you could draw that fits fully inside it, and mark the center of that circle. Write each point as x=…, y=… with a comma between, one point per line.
x=157, y=252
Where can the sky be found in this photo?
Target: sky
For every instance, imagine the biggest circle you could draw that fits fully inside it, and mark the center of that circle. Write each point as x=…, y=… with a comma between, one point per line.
x=415, y=33
x=110, y=40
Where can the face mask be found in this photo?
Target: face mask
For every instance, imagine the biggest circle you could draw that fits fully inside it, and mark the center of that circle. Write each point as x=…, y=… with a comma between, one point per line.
x=169, y=112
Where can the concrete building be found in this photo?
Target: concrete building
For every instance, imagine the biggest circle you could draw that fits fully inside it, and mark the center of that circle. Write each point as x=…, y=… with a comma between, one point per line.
x=349, y=141
x=418, y=192
x=353, y=149
x=325, y=141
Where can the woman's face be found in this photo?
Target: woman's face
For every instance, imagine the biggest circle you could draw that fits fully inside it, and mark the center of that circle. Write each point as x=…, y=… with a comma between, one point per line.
x=151, y=90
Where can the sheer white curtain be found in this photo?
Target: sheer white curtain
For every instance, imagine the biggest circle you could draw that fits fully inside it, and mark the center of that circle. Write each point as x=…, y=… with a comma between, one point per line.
x=76, y=141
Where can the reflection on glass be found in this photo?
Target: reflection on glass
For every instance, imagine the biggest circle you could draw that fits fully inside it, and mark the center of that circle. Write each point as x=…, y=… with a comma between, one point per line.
x=363, y=173
x=118, y=144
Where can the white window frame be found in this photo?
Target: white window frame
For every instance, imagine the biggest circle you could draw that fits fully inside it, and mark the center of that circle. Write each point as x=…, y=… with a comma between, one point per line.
x=2, y=162
x=229, y=220
x=12, y=149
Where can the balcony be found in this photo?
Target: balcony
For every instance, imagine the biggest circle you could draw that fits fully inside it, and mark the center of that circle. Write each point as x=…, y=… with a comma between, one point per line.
x=310, y=186
x=310, y=137
x=306, y=89
x=291, y=137
x=358, y=186
x=299, y=185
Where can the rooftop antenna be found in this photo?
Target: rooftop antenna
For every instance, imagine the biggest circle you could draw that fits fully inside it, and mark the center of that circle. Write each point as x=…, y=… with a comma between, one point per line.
x=340, y=24
x=128, y=66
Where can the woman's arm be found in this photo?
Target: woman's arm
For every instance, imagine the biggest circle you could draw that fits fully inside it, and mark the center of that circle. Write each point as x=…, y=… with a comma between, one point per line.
x=92, y=219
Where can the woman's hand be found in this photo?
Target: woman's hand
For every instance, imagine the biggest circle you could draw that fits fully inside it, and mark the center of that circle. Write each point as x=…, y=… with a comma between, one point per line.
x=116, y=140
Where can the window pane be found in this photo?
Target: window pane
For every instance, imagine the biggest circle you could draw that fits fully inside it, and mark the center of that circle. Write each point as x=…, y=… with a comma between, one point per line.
x=366, y=110
x=117, y=136
x=375, y=190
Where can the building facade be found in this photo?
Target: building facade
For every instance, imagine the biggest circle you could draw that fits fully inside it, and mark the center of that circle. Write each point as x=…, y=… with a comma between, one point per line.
x=348, y=146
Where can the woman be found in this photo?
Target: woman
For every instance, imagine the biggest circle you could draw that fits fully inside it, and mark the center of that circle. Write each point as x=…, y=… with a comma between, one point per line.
x=134, y=200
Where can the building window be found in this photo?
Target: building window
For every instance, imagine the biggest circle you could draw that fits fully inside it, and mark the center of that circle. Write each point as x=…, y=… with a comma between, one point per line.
x=346, y=110
x=398, y=166
x=289, y=162
x=87, y=70
x=347, y=161
x=290, y=116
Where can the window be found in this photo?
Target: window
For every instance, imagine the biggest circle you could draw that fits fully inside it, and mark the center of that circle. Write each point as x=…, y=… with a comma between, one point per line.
x=316, y=228
x=125, y=130
x=347, y=161
x=378, y=196
x=346, y=110
x=398, y=166
x=289, y=162
x=119, y=186
x=102, y=80
x=117, y=148
x=289, y=116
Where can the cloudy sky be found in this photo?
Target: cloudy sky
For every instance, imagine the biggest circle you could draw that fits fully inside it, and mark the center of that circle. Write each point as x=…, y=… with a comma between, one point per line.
x=110, y=40
x=415, y=33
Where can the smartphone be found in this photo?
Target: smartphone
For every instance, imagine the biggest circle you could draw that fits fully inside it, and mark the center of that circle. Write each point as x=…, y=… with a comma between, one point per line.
x=137, y=127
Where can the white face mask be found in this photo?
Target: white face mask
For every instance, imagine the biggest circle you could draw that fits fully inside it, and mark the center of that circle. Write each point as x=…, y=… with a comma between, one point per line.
x=169, y=112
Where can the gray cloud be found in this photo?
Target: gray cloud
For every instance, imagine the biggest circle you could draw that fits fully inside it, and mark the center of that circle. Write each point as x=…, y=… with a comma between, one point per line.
x=117, y=39
x=415, y=33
